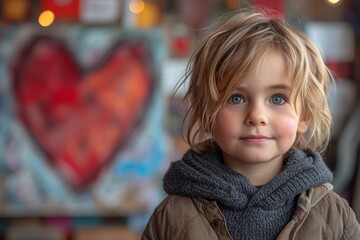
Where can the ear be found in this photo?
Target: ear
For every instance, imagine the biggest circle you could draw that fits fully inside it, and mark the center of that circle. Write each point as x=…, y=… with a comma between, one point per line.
x=304, y=120
x=303, y=126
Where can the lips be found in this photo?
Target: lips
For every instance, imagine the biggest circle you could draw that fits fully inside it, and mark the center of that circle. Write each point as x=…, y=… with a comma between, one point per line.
x=255, y=139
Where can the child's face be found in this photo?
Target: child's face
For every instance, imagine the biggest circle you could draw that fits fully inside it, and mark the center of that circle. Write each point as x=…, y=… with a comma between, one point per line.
x=258, y=124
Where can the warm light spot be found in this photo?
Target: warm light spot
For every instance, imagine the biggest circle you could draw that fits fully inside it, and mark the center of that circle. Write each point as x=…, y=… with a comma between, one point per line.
x=46, y=18
x=136, y=6
x=333, y=1
x=232, y=4
x=149, y=17
x=15, y=10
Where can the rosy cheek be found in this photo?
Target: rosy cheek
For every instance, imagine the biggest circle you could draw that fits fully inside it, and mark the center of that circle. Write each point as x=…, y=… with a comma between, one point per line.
x=222, y=128
x=225, y=125
x=288, y=126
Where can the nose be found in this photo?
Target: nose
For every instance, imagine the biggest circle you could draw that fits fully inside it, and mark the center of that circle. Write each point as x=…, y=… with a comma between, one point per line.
x=256, y=115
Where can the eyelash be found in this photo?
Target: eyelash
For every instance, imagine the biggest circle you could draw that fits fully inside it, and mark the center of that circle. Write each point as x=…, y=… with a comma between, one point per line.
x=242, y=100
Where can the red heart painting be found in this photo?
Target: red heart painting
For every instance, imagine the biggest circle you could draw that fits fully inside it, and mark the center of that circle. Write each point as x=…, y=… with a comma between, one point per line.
x=80, y=119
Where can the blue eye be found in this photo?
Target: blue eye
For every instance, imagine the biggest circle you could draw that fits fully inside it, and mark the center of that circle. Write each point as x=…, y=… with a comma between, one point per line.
x=236, y=99
x=278, y=100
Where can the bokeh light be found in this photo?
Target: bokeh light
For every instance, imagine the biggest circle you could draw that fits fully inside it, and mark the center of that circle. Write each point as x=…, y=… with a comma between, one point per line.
x=46, y=18
x=334, y=2
x=136, y=6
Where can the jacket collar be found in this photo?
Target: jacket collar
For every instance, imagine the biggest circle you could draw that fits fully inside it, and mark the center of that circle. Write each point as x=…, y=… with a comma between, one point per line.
x=310, y=198
x=306, y=201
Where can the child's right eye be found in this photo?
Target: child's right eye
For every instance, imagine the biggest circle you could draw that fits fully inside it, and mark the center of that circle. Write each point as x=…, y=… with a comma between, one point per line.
x=236, y=99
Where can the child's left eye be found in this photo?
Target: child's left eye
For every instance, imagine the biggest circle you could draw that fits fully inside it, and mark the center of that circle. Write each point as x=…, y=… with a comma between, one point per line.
x=278, y=100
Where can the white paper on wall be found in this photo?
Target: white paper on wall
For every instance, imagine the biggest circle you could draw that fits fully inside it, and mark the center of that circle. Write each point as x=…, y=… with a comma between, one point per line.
x=95, y=11
x=334, y=39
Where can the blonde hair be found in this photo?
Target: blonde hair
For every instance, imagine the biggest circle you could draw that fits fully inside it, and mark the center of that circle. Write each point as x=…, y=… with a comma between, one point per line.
x=226, y=56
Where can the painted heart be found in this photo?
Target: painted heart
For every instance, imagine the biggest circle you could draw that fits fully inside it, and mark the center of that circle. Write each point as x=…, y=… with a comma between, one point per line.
x=81, y=119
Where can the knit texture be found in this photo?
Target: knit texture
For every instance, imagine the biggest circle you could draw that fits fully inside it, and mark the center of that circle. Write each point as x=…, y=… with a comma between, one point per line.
x=250, y=212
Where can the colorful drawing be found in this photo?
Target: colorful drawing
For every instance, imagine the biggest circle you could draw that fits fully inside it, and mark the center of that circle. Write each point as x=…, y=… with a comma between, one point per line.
x=80, y=119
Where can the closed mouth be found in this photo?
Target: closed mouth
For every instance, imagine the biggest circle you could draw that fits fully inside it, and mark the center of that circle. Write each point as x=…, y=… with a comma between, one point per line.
x=255, y=138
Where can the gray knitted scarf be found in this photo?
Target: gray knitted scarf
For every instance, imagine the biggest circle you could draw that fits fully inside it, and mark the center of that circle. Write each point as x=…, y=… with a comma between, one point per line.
x=250, y=212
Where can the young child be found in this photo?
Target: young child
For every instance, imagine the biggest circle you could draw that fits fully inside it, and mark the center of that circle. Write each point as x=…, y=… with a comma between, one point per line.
x=258, y=120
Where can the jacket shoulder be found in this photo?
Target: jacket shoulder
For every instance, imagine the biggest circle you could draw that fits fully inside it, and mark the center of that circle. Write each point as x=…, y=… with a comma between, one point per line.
x=174, y=206
x=339, y=215
x=331, y=218
x=333, y=206
x=175, y=218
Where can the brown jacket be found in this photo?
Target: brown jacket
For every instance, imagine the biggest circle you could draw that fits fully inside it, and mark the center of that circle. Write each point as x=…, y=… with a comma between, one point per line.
x=320, y=214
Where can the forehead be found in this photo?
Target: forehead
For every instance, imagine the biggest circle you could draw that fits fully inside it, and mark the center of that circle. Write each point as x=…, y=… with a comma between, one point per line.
x=270, y=69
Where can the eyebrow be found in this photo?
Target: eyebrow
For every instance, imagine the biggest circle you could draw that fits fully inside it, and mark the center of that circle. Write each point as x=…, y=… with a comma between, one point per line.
x=280, y=86
x=272, y=87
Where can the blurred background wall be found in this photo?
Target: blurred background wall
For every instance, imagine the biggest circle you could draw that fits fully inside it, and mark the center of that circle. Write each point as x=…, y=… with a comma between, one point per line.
x=88, y=123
